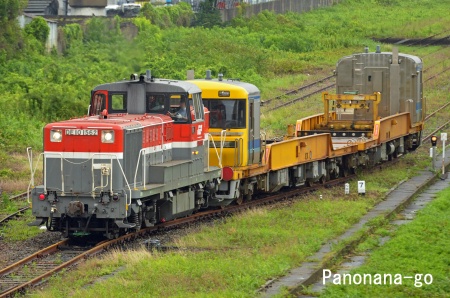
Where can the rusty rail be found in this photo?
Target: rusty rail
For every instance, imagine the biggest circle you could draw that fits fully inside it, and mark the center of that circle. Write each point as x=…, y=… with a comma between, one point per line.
x=436, y=130
x=18, y=212
x=301, y=97
x=13, y=215
x=295, y=91
x=435, y=112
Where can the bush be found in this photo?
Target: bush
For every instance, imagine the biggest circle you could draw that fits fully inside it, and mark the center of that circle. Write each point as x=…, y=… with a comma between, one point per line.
x=38, y=28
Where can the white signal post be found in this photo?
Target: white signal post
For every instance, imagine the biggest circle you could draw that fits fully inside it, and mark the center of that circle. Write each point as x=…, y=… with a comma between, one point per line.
x=361, y=188
x=347, y=188
x=443, y=139
x=433, y=153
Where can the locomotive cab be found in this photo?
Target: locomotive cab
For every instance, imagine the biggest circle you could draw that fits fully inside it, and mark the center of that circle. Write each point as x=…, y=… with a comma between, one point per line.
x=235, y=142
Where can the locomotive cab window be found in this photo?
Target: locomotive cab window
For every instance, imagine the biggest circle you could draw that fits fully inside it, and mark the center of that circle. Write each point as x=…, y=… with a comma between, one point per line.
x=118, y=103
x=155, y=103
x=226, y=113
x=179, y=107
x=98, y=104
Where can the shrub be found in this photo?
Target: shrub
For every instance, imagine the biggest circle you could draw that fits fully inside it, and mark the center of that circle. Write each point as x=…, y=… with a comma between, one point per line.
x=38, y=28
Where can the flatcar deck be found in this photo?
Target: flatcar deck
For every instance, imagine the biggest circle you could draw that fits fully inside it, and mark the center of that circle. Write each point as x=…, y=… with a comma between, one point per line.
x=341, y=142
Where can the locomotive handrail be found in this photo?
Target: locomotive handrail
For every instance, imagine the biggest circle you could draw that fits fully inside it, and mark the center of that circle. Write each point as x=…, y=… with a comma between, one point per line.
x=144, y=158
x=263, y=136
x=137, y=167
x=237, y=151
x=162, y=136
x=62, y=171
x=101, y=178
x=219, y=158
x=128, y=200
x=30, y=161
x=223, y=136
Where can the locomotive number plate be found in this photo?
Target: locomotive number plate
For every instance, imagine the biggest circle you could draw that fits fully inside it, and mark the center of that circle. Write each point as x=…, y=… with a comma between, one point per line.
x=81, y=132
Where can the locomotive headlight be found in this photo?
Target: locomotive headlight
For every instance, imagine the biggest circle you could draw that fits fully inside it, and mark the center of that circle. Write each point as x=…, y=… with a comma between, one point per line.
x=55, y=135
x=108, y=136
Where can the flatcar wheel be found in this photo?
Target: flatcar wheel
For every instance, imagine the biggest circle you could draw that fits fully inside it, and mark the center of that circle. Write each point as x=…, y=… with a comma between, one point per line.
x=334, y=175
x=395, y=153
x=323, y=179
x=344, y=171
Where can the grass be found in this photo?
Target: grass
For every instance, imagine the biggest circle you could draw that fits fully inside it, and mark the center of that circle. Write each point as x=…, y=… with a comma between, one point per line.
x=15, y=172
x=417, y=248
x=233, y=258
x=18, y=229
x=8, y=206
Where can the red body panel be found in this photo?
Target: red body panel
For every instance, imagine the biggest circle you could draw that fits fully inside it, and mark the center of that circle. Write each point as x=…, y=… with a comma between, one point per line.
x=153, y=134
x=189, y=132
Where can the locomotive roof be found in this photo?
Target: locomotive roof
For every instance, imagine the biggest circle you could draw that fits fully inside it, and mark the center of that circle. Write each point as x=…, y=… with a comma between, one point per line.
x=415, y=59
x=156, y=85
x=212, y=84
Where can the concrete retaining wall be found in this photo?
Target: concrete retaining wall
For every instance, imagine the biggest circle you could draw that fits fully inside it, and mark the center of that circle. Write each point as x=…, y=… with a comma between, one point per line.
x=278, y=6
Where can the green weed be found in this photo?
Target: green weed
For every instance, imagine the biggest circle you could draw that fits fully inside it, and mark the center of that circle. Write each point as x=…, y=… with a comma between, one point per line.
x=18, y=229
x=419, y=247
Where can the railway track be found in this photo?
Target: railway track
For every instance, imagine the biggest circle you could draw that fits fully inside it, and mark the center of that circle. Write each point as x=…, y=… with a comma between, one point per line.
x=446, y=124
x=437, y=111
x=441, y=38
x=295, y=91
x=16, y=214
x=442, y=126
x=33, y=269
x=309, y=94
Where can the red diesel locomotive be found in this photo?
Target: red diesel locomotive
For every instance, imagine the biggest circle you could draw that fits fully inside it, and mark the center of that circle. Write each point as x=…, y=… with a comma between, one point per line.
x=138, y=158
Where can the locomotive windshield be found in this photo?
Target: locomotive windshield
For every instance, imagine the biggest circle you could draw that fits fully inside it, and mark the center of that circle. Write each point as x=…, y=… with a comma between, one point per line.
x=226, y=113
x=181, y=108
x=196, y=106
x=155, y=103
